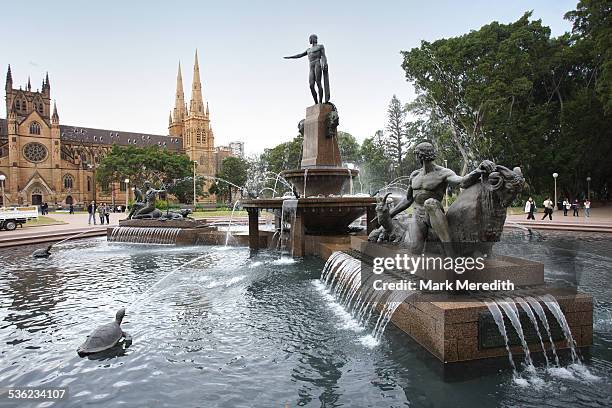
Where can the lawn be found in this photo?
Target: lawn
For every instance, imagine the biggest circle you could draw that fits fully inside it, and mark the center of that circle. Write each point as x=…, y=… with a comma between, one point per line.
x=41, y=221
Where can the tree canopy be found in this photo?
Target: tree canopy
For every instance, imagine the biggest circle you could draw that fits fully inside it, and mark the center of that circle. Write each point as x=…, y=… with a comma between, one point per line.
x=512, y=93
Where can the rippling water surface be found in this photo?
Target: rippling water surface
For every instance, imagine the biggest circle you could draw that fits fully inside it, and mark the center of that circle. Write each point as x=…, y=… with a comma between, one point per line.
x=231, y=330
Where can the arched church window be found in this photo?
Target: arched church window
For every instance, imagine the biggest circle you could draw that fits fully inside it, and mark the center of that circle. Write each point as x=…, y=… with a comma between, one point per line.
x=34, y=128
x=88, y=183
x=68, y=181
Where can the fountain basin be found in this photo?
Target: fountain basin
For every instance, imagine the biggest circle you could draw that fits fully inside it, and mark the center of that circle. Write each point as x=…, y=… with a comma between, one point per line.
x=321, y=215
x=323, y=181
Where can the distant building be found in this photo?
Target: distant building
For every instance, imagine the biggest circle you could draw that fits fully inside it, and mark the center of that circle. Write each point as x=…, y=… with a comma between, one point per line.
x=222, y=153
x=237, y=149
x=44, y=161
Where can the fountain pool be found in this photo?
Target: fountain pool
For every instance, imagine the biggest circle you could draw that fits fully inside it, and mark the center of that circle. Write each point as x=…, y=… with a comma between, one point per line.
x=236, y=330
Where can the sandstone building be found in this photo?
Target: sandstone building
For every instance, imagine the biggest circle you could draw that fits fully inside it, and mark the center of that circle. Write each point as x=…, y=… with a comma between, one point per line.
x=45, y=161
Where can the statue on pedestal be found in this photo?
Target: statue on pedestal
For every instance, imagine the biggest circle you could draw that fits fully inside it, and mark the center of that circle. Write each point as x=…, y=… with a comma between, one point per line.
x=318, y=69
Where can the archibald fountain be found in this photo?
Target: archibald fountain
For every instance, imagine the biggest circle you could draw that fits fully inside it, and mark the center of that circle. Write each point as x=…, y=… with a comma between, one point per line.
x=433, y=273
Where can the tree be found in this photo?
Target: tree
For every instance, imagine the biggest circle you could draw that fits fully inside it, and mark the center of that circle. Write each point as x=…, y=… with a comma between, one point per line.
x=182, y=188
x=376, y=165
x=285, y=156
x=592, y=33
x=349, y=147
x=140, y=164
x=396, y=137
x=233, y=170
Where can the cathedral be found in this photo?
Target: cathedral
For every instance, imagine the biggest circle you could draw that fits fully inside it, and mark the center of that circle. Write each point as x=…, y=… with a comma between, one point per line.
x=45, y=161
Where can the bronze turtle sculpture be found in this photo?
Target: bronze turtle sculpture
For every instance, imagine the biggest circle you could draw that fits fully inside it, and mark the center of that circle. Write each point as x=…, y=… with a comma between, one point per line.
x=105, y=337
x=42, y=252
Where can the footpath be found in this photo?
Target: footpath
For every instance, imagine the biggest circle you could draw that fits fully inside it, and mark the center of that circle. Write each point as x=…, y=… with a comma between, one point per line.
x=599, y=221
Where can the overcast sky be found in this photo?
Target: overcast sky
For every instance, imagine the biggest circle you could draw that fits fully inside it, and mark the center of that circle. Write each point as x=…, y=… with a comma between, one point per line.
x=113, y=64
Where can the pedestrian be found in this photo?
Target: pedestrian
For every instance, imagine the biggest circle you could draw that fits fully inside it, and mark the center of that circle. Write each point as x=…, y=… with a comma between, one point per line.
x=587, y=208
x=548, y=208
x=101, y=213
x=566, y=206
x=107, y=210
x=91, y=209
x=530, y=208
x=576, y=207
x=71, y=209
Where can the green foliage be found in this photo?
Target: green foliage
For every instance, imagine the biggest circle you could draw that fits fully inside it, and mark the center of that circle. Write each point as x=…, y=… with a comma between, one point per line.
x=182, y=189
x=141, y=164
x=349, y=148
x=376, y=168
x=233, y=170
x=511, y=93
x=285, y=156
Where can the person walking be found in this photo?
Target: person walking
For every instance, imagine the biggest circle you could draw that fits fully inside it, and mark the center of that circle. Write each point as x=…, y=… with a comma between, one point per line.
x=71, y=209
x=587, y=208
x=530, y=208
x=101, y=213
x=548, y=208
x=91, y=209
x=566, y=206
x=107, y=211
x=576, y=207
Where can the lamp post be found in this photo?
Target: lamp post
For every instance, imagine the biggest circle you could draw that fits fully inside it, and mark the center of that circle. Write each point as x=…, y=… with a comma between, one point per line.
x=588, y=188
x=92, y=167
x=195, y=166
x=555, y=175
x=127, y=193
x=2, y=178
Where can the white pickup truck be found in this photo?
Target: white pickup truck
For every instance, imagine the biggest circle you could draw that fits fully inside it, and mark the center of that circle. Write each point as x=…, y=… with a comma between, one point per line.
x=10, y=217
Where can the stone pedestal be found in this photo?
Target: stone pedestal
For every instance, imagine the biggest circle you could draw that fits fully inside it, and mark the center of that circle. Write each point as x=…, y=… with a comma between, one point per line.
x=318, y=149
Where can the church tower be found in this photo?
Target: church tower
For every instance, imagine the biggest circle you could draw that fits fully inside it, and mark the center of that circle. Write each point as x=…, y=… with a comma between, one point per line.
x=194, y=124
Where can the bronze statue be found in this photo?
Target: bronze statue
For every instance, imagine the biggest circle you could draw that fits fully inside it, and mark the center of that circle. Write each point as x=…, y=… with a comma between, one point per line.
x=139, y=202
x=475, y=218
x=149, y=210
x=318, y=67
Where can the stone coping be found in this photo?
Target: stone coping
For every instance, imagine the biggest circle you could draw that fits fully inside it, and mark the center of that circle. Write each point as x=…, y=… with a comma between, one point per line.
x=187, y=223
x=274, y=203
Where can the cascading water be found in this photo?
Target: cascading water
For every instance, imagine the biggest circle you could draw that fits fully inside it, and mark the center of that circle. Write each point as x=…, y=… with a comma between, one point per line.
x=305, y=180
x=555, y=309
x=145, y=235
x=499, y=321
x=229, y=227
x=509, y=307
x=525, y=306
x=537, y=307
x=288, y=212
x=342, y=277
x=350, y=182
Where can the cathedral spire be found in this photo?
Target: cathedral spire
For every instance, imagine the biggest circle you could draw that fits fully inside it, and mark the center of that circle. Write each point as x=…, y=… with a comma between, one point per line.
x=55, y=117
x=179, y=103
x=196, y=105
x=29, y=88
x=9, y=79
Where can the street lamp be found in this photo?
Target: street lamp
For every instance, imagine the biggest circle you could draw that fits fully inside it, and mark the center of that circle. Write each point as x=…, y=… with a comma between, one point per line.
x=92, y=167
x=127, y=192
x=555, y=175
x=2, y=178
x=195, y=166
x=588, y=188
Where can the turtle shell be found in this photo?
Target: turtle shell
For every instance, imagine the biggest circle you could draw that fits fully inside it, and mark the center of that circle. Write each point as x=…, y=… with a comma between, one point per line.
x=103, y=338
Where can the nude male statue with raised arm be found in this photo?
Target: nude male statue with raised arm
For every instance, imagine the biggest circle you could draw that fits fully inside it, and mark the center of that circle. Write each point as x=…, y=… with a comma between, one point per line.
x=426, y=190
x=318, y=68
